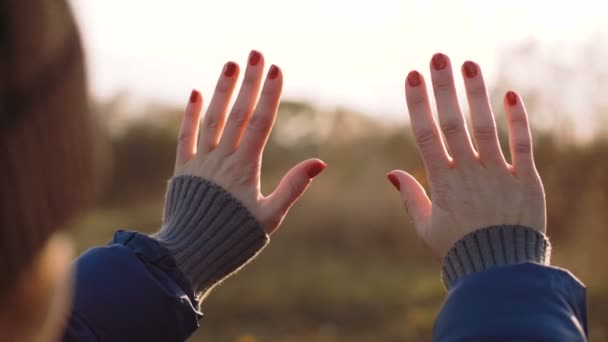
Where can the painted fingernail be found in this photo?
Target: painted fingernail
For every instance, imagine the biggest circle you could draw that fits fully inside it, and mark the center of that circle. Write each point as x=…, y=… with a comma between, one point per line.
x=316, y=169
x=230, y=69
x=413, y=78
x=194, y=96
x=439, y=61
x=393, y=179
x=511, y=98
x=254, y=58
x=470, y=69
x=273, y=72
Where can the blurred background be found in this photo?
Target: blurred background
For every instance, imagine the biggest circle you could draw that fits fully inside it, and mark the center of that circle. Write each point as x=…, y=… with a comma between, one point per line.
x=346, y=264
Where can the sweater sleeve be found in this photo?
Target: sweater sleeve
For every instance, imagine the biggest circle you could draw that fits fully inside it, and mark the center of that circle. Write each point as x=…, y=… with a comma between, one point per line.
x=494, y=246
x=209, y=233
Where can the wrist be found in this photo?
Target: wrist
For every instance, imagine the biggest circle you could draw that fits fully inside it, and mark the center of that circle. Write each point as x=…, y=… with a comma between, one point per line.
x=209, y=233
x=493, y=247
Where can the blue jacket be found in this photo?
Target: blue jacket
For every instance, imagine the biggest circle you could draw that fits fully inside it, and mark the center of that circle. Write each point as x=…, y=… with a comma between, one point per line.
x=131, y=290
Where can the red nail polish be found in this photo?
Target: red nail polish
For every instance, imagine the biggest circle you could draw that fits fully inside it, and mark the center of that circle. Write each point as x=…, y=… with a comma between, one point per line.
x=511, y=98
x=273, y=72
x=194, y=96
x=439, y=61
x=470, y=69
x=254, y=57
x=393, y=179
x=230, y=69
x=413, y=78
x=316, y=169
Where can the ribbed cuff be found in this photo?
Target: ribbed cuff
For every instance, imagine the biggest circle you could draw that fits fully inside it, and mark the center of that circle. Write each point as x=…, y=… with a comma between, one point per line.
x=209, y=232
x=494, y=246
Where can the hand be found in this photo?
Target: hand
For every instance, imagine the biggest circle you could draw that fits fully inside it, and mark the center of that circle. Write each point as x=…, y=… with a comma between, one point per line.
x=229, y=152
x=471, y=188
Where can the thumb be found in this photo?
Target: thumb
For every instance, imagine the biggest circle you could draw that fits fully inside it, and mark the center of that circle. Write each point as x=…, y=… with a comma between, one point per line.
x=417, y=203
x=291, y=187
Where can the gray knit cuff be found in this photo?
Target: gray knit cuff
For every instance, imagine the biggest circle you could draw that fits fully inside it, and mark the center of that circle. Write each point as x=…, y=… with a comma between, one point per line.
x=209, y=232
x=494, y=246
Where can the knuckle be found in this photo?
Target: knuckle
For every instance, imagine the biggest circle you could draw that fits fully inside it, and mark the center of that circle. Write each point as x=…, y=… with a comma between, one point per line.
x=238, y=117
x=183, y=137
x=188, y=116
x=451, y=127
x=211, y=123
x=442, y=86
x=269, y=91
x=522, y=147
x=296, y=187
x=477, y=90
x=223, y=88
x=249, y=80
x=260, y=123
x=518, y=120
x=292, y=189
x=406, y=205
x=417, y=102
x=425, y=137
x=485, y=132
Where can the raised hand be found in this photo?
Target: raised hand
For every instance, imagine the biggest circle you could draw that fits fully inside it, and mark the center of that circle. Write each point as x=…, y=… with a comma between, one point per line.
x=216, y=219
x=228, y=152
x=471, y=188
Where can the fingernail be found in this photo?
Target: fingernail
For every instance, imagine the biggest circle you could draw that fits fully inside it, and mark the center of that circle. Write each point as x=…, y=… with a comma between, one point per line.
x=511, y=98
x=194, y=96
x=470, y=69
x=393, y=179
x=230, y=69
x=413, y=78
x=254, y=58
x=273, y=72
x=439, y=61
x=316, y=169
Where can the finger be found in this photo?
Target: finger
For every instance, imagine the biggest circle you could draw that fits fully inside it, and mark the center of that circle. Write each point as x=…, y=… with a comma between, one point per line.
x=263, y=117
x=450, y=116
x=520, y=138
x=425, y=129
x=188, y=133
x=484, y=126
x=243, y=107
x=291, y=187
x=215, y=118
x=416, y=202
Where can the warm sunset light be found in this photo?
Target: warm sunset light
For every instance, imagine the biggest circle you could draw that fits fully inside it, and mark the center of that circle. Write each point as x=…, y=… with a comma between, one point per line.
x=335, y=53
x=303, y=170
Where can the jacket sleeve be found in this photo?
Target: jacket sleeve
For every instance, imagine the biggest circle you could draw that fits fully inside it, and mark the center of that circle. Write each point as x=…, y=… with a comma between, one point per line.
x=501, y=288
x=527, y=302
x=131, y=290
x=149, y=288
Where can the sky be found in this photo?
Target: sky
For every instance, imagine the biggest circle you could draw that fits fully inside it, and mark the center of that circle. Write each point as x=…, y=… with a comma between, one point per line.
x=347, y=53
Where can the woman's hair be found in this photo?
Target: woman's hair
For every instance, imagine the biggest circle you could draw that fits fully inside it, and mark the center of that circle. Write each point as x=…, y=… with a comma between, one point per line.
x=46, y=145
